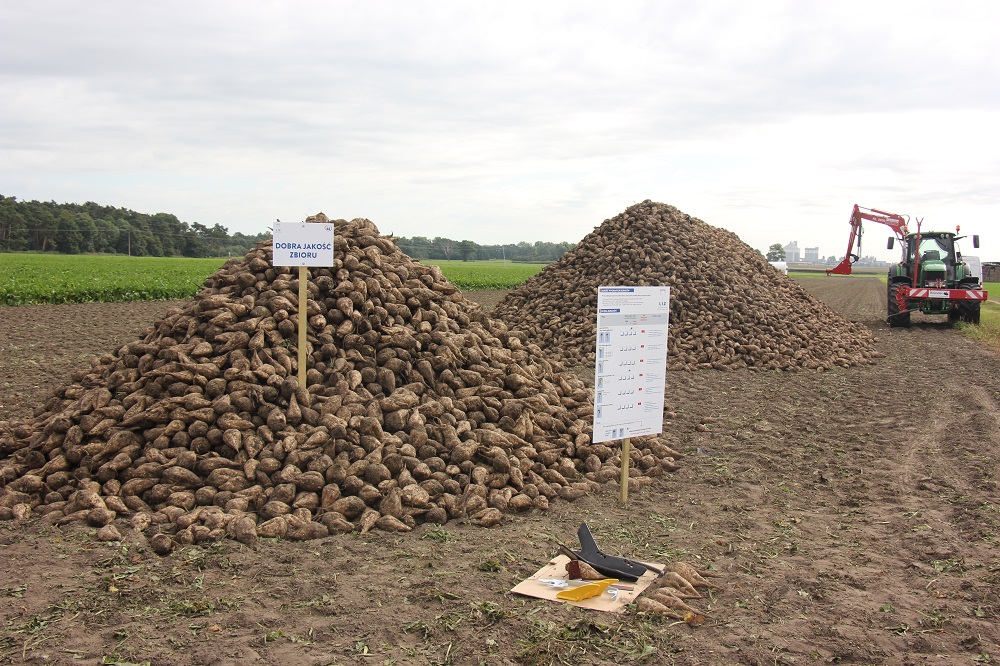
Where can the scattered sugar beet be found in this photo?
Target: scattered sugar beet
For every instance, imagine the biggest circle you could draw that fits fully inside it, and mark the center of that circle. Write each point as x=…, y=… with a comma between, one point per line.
x=417, y=408
x=729, y=308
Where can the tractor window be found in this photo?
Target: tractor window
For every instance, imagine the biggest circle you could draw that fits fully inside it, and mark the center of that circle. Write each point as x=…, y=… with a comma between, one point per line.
x=936, y=248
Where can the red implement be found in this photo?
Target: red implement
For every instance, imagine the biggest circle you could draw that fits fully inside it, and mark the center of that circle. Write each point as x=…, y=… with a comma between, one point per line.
x=896, y=222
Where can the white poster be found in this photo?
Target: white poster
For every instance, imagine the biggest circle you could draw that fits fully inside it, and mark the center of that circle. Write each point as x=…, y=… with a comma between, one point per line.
x=631, y=364
x=303, y=244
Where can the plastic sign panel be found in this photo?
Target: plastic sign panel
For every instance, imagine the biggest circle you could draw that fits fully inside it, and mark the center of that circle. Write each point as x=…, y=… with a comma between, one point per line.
x=631, y=365
x=303, y=244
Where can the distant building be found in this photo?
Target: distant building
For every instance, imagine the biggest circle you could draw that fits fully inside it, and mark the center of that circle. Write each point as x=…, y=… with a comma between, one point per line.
x=871, y=262
x=812, y=255
x=792, y=253
x=991, y=271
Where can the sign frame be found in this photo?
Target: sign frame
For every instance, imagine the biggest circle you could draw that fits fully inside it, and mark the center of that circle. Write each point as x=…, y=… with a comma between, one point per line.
x=630, y=366
x=302, y=244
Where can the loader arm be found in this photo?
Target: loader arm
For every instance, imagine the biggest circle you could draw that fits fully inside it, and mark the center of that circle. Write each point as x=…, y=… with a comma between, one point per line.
x=895, y=222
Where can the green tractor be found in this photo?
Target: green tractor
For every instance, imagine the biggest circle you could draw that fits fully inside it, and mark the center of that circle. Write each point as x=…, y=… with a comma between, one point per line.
x=931, y=278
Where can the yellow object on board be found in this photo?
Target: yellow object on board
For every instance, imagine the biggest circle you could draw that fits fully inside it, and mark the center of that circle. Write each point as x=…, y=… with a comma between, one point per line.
x=586, y=591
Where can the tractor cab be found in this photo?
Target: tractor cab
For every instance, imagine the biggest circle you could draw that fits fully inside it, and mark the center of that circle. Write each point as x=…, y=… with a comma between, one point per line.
x=936, y=254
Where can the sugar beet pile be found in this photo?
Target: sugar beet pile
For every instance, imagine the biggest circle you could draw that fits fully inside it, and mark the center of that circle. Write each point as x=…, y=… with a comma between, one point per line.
x=418, y=408
x=729, y=308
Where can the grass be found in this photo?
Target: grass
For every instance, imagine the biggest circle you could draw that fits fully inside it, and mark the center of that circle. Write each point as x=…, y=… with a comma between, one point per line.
x=881, y=274
x=642, y=639
x=494, y=274
x=32, y=278
x=988, y=331
x=27, y=279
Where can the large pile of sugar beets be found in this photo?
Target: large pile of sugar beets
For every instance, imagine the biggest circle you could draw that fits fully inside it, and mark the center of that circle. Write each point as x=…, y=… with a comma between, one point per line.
x=417, y=408
x=729, y=308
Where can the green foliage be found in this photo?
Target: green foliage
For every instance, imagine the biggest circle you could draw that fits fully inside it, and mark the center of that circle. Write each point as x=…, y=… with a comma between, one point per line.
x=467, y=250
x=27, y=279
x=775, y=252
x=988, y=330
x=68, y=228
x=446, y=249
x=877, y=273
x=487, y=274
x=439, y=534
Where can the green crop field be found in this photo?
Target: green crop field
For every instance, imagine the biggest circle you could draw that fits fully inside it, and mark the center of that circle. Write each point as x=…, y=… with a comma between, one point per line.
x=798, y=275
x=27, y=279
x=493, y=274
x=988, y=331
x=61, y=278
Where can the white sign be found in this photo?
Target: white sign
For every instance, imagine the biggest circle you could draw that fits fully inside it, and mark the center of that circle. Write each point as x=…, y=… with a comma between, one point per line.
x=303, y=244
x=631, y=365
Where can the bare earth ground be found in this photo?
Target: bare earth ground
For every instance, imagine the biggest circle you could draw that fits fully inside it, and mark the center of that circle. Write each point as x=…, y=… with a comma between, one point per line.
x=852, y=514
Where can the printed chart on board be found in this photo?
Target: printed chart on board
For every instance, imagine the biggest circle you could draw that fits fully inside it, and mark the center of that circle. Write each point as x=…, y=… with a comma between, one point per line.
x=631, y=363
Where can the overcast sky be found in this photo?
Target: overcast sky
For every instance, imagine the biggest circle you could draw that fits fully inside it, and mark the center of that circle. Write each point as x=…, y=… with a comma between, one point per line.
x=510, y=121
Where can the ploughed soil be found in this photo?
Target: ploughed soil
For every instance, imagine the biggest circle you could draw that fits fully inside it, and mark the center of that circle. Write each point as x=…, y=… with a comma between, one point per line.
x=853, y=515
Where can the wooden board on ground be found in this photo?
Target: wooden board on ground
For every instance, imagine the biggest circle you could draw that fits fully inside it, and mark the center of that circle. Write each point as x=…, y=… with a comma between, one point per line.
x=556, y=568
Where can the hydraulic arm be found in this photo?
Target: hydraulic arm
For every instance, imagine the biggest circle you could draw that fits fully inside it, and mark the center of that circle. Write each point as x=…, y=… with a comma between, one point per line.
x=896, y=222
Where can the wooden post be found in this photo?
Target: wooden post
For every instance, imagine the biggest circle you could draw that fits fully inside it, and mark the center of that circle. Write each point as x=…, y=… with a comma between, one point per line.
x=626, y=449
x=303, y=307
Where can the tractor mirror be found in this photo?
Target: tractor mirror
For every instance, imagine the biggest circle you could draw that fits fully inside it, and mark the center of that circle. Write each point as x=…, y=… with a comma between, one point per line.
x=892, y=241
x=975, y=241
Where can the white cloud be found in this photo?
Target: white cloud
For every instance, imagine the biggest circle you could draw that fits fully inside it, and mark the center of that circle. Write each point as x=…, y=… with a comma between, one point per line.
x=507, y=121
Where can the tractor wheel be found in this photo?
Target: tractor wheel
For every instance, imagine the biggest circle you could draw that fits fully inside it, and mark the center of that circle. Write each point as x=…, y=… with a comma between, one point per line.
x=968, y=311
x=896, y=317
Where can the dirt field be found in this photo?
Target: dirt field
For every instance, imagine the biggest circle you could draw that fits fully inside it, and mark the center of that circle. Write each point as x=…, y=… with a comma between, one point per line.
x=854, y=517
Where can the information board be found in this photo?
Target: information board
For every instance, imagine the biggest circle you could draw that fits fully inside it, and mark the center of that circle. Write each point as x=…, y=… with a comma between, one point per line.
x=303, y=244
x=631, y=364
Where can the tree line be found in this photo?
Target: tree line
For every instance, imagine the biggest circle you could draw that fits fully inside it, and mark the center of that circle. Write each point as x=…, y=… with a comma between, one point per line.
x=421, y=247
x=69, y=228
